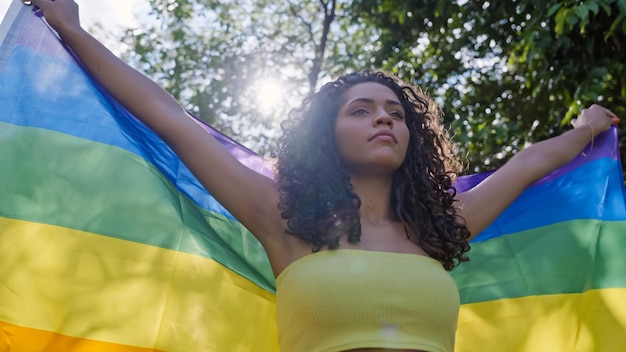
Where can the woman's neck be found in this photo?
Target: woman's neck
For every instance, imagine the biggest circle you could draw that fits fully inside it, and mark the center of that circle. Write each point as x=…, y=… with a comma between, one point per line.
x=375, y=195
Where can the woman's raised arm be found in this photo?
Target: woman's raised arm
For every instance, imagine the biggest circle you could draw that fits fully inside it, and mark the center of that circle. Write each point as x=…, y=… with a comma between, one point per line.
x=483, y=204
x=249, y=196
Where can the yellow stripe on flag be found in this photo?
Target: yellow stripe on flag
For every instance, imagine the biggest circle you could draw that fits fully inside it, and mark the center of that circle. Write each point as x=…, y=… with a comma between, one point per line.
x=578, y=322
x=100, y=288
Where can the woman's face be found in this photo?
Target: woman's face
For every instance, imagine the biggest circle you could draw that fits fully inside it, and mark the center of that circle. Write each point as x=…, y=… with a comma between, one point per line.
x=370, y=130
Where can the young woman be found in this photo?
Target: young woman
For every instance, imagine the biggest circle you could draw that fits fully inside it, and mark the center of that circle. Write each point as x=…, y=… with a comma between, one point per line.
x=362, y=221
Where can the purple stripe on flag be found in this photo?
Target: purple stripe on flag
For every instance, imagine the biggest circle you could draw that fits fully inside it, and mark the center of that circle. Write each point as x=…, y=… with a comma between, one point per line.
x=604, y=146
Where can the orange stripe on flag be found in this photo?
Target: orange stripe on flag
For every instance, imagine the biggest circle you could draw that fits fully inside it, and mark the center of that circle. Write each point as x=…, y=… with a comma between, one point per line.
x=23, y=339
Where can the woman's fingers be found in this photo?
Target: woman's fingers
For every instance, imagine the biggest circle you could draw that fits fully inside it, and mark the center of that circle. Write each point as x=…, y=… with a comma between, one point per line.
x=612, y=116
x=60, y=14
x=40, y=3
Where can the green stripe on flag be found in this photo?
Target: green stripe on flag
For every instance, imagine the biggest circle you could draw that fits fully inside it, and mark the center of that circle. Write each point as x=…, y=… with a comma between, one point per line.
x=567, y=257
x=106, y=190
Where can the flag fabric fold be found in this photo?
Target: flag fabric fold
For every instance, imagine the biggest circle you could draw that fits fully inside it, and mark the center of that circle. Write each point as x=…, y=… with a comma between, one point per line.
x=109, y=243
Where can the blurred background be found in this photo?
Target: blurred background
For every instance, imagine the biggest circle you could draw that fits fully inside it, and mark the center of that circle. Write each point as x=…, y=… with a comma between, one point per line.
x=505, y=73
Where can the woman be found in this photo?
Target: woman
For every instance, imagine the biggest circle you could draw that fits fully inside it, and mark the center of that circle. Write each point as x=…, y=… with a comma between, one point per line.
x=362, y=221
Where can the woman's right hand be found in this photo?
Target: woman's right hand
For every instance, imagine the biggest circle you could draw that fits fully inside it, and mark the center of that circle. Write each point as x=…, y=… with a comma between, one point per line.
x=62, y=15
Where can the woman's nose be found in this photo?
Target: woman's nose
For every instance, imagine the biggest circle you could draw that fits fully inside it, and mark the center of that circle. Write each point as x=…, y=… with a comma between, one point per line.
x=383, y=118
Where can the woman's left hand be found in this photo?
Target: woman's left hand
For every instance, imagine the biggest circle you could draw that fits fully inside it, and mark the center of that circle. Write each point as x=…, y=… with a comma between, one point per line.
x=598, y=118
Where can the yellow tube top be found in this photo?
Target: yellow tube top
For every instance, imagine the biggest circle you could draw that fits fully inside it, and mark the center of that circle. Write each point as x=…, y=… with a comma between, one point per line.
x=344, y=299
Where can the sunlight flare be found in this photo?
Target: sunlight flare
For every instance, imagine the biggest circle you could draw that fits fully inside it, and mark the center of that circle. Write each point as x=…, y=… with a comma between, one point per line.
x=268, y=94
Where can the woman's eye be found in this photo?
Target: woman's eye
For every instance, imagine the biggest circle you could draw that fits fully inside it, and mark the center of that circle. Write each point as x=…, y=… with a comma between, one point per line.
x=359, y=111
x=397, y=115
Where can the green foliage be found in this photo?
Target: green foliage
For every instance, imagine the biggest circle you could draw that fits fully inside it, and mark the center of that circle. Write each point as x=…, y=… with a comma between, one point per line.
x=201, y=52
x=216, y=57
x=507, y=73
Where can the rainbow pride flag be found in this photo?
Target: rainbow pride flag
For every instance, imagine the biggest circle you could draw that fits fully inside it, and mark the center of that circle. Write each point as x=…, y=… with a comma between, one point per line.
x=108, y=243
x=550, y=273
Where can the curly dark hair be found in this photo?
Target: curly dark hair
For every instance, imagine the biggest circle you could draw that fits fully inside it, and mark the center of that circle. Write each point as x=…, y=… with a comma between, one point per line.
x=317, y=199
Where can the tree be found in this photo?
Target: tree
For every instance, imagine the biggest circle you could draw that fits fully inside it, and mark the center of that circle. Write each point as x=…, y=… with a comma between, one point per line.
x=220, y=59
x=507, y=73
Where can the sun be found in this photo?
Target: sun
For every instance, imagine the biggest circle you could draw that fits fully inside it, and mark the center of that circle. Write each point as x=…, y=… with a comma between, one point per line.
x=269, y=93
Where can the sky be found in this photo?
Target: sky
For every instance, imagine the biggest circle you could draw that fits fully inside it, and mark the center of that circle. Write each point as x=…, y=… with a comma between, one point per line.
x=107, y=19
x=113, y=15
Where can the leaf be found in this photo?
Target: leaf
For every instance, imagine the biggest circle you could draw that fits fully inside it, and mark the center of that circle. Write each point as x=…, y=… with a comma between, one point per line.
x=593, y=7
x=567, y=97
x=582, y=11
x=552, y=10
x=572, y=19
x=599, y=71
x=561, y=17
x=619, y=20
x=569, y=115
x=606, y=7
